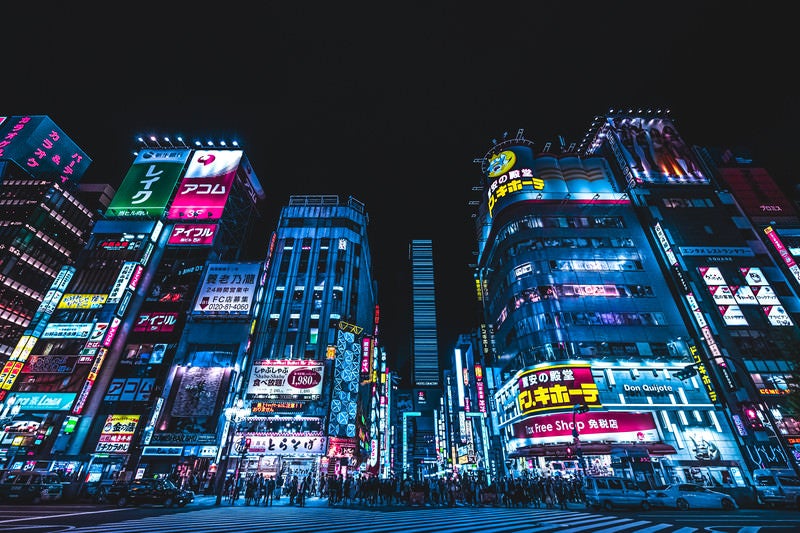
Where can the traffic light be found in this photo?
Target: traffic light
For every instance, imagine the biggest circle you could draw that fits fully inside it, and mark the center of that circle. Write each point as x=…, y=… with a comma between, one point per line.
x=686, y=372
x=569, y=451
x=751, y=416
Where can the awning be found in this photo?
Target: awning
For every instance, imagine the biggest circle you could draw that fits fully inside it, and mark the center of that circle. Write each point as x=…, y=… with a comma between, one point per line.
x=559, y=451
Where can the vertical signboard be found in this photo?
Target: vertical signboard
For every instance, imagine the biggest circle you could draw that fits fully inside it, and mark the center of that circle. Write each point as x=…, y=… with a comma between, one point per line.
x=227, y=288
x=204, y=190
x=36, y=144
x=149, y=184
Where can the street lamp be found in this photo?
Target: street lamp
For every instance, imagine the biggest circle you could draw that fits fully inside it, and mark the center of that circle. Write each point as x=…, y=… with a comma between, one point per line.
x=234, y=415
x=578, y=408
x=691, y=370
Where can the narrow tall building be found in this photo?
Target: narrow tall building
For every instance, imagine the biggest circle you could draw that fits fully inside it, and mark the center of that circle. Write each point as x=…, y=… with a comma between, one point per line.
x=44, y=222
x=425, y=347
x=313, y=342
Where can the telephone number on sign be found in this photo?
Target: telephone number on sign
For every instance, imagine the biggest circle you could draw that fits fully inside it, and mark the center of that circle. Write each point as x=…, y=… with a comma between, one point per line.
x=227, y=307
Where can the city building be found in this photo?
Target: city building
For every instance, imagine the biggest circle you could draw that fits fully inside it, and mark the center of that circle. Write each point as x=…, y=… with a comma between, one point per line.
x=45, y=223
x=711, y=222
x=142, y=341
x=464, y=434
x=420, y=453
x=425, y=346
x=315, y=360
x=609, y=276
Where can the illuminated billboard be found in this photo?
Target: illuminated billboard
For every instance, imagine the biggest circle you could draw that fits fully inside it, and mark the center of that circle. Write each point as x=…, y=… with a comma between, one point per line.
x=514, y=175
x=286, y=444
x=156, y=322
x=194, y=406
x=149, y=184
x=82, y=301
x=650, y=150
x=204, y=190
x=196, y=234
x=757, y=193
x=72, y=330
x=227, y=288
x=117, y=434
x=281, y=379
x=36, y=144
x=344, y=399
x=556, y=388
x=592, y=426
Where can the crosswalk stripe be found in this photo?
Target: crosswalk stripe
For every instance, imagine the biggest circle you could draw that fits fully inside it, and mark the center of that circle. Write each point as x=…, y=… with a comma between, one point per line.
x=339, y=520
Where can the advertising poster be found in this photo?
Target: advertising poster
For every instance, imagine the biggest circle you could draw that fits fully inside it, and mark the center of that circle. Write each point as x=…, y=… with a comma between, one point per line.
x=194, y=406
x=40, y=147
x=593, y=426
x=149, y=183
x=654, y=151
x=227, y=288
x=556, y=388
x=281, y=379
x=204, y=190
x=117, y=434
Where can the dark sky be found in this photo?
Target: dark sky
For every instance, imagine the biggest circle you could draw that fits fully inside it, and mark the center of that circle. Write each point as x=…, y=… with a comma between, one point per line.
x=392, y=103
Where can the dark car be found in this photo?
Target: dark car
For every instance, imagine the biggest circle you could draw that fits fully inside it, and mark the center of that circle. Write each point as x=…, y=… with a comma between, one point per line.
x=116, y=493
x=148, y=491
x=30, y=486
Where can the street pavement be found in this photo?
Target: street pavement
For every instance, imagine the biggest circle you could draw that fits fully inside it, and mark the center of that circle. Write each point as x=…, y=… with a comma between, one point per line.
x=205, y=516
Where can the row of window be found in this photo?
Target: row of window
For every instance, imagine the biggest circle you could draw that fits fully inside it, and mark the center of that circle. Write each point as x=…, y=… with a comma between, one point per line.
x=535, y=323
x=566, y=290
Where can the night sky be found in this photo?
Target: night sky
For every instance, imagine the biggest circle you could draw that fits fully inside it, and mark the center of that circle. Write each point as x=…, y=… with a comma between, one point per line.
x=391, y=104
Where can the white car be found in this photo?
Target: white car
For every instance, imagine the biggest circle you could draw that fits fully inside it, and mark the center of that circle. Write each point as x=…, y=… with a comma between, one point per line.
x=685, y=496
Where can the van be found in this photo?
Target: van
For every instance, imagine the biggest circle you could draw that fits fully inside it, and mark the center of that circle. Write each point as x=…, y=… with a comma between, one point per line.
x=30, y=486
x=777, y=487
x=610, y=492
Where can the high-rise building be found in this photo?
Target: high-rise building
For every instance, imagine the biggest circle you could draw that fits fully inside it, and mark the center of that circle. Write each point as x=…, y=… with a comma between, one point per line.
x=424, y=343
x=44, y=221
x=602, y=270
x=139, y=345
x=314, y=351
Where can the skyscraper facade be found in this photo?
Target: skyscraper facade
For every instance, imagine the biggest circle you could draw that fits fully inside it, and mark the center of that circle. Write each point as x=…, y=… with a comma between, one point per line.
x=141, y=342
x=314, y=349
x=598, y=304
x=45, y=223
x=424, y=343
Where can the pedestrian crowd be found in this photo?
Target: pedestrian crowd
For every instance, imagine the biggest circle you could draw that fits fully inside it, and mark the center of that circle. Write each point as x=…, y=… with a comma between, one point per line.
x=549, y=492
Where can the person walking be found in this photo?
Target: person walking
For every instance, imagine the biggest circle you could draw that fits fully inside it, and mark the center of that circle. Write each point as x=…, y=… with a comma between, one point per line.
x=293, y=482
x=302, y=489
x=270, y=489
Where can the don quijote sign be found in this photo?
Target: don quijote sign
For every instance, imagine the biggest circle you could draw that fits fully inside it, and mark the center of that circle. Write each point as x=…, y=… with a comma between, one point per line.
x=647, y=388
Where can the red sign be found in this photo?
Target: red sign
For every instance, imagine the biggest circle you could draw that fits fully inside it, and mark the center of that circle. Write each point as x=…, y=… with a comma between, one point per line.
x=592, y=426
x=156, y=322
x=757, y=193
x=201, y=234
